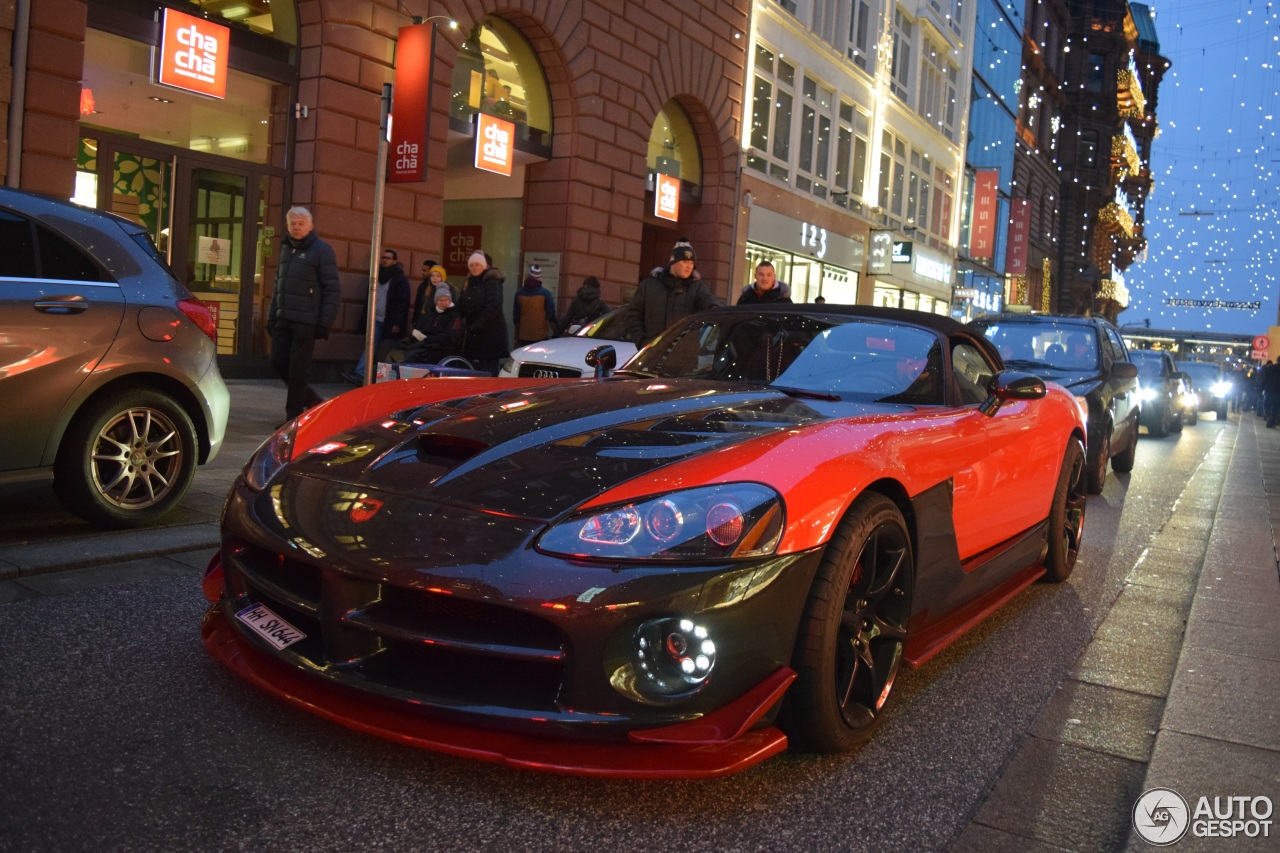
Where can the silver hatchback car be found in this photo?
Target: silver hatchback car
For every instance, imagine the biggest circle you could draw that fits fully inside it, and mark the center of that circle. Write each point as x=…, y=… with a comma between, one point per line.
x=109, y=379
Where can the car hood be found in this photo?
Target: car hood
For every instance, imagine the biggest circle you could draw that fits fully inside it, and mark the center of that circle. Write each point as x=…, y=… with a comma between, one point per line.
x=569, y=351
x=538, y=452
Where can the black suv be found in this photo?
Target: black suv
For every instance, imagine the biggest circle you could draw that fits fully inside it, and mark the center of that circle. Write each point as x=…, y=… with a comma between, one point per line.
x=1088, y=358
x=1161, y=391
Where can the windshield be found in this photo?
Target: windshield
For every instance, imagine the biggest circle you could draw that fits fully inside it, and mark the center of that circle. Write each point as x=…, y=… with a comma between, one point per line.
x=1150, y=364
x=1202, y=373
x=1060, y=346
x=610, y=327
x=847, y=358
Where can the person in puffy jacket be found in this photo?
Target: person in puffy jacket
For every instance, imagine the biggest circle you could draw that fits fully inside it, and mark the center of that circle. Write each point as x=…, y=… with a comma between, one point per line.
x=436, y=336
x=766, y=289
x=303, y=306
x=534, y=310
x=586, y=307
x=672, y=294
x=486, y=342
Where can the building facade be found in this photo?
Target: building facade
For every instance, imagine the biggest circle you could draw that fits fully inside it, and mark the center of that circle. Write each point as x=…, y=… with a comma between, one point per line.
x=600, y=98
x=853, y=149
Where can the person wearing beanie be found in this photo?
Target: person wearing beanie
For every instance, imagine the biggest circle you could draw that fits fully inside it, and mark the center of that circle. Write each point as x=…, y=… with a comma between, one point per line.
x=486, y=342
x=437, y=335
x=673, y=294
x=585, y=307
x=534, y=311
x=766, y=289
x=432, y=276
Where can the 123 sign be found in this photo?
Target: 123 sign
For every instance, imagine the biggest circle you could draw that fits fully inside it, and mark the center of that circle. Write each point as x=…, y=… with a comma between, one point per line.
x=814, y=238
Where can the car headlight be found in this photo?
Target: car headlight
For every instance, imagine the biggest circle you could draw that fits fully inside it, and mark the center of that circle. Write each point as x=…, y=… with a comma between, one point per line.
x=1221, y=389
x=1146, y=395
x=708, y=522
x=268, y=459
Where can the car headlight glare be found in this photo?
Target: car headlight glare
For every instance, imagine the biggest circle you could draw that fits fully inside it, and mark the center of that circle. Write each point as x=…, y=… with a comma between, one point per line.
x=1221, y=389
x=1146, y=395
x=733, y=520
x=273, y=455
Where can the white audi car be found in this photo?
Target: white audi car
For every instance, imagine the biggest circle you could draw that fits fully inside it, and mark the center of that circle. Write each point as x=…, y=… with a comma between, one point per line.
x=567, y=356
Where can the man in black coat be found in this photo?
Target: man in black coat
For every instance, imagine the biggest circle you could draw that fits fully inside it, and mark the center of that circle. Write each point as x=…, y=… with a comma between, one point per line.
x=766, y=288
x=303, y=306
x=674, y=293
x=1271, y=392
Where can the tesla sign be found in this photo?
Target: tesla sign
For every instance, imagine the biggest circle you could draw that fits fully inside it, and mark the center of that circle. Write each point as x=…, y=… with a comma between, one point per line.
x=193, y=54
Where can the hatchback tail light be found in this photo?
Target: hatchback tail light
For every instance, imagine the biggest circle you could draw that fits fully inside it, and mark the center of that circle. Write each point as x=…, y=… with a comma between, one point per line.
x=200, y=314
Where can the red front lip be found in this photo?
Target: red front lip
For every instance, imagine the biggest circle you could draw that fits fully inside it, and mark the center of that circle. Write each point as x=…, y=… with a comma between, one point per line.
x=717, y=744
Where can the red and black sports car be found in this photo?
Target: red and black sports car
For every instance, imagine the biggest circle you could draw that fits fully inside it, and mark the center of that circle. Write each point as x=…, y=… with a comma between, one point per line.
x=736, y=539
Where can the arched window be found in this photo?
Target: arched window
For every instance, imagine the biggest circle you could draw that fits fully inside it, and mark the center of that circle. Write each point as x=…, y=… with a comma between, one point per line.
x=673, y=146
x=498, y=73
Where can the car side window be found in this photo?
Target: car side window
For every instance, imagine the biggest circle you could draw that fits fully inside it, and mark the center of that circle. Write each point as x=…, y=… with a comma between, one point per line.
x=62, y=260
x=972, y=372
x=1118, y=352
x=18, y=260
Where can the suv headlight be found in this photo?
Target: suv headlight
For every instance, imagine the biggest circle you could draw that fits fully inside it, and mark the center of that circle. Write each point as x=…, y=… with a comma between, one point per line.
x=732, y=520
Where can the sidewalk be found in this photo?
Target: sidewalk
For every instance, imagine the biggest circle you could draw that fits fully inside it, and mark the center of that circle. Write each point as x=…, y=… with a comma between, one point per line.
x=1177, y=689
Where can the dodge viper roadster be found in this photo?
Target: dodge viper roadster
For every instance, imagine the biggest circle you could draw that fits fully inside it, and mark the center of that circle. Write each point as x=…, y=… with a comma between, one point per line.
x=736, y=540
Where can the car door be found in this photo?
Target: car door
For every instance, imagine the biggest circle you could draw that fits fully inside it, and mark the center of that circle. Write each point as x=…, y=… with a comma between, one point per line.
x=1119, y=391
x=59, y=314
x=1007, y=489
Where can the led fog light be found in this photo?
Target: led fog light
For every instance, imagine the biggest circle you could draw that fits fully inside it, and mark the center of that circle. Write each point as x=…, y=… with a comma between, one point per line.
x=672, y=656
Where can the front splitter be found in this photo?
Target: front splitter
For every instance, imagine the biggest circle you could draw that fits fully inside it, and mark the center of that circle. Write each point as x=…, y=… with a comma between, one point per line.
x=678, y=753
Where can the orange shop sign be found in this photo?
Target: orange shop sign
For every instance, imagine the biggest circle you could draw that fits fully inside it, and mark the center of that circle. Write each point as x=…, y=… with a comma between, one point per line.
x=495, y=144
x=666, y=197
x=193, y=54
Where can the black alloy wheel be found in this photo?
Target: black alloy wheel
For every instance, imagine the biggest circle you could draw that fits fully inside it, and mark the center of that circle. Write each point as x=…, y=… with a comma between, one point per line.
x=854, y=630
x=1066, y=516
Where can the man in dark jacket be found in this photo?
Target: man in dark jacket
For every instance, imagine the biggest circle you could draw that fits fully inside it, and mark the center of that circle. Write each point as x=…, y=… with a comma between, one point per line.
x=674, y=293
x=585, y=307
x=391, y=310
x=303, y=306
x=766, y=288
x=1271, y=392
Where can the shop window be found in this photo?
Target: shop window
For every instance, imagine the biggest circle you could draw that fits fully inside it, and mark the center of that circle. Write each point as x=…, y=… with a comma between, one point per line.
x=118, y=73
x=498, y=73
x=673, y=146
x=275, y=18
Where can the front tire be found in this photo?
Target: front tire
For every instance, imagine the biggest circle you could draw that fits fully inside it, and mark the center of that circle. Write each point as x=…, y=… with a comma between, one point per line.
x=1098, y=466
x=127, y=460
x=1066, y=516
x=1123, y=461
x=853, y=631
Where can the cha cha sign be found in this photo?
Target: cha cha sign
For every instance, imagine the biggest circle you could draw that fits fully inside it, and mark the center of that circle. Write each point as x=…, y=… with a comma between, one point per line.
x=193, y=54
x=495, y=144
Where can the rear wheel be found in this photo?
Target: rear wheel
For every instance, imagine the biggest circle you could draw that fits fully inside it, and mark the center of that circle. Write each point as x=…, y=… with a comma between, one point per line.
x=127, y=460
x=1159, y=425
x=1066, y=516
x=853, y=631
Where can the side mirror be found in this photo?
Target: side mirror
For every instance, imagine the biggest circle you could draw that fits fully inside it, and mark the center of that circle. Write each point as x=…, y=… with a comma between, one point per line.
x=1011, y=385
x=1124, y=370
x=604, y=359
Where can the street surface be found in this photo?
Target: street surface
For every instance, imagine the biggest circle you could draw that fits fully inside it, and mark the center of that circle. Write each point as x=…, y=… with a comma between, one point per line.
x=118, y=731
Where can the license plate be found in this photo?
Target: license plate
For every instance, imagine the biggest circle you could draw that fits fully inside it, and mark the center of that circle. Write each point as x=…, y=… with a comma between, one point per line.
x=269, y=626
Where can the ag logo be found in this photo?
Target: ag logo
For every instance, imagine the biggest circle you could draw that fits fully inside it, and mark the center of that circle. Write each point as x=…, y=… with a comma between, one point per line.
x=1161, y=816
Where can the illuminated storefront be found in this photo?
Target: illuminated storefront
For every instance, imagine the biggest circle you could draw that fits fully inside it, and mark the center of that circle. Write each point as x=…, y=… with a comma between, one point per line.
x=810, y=259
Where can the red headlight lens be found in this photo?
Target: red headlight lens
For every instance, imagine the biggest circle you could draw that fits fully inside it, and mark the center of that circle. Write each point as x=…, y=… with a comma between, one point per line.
x=725, y=524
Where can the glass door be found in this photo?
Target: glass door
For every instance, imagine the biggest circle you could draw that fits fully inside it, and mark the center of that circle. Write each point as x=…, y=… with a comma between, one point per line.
x=215, y=247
